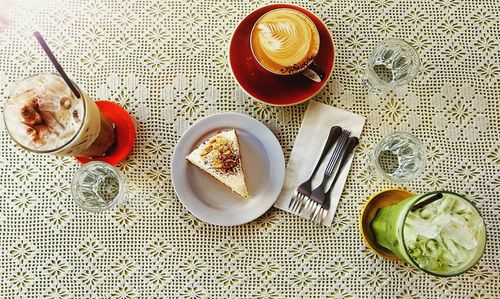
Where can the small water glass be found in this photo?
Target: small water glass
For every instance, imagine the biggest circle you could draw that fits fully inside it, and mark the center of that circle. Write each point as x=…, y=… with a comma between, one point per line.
x=393, y=63
x=399, y=156
x=98, y=186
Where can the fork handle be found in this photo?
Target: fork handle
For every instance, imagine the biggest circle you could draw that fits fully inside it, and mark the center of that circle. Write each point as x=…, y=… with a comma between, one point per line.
x=332, y=137
x=349, y=149
x=334, y=159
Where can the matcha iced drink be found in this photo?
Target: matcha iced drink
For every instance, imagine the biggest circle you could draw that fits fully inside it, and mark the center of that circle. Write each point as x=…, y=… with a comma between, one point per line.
x=445, y=237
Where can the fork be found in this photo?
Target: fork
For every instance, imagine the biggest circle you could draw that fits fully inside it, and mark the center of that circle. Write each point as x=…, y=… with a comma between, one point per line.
x=318, y=194
x=320, y=213
x=304, y=190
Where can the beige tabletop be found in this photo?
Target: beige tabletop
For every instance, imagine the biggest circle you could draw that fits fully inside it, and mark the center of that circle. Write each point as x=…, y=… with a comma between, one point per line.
x=166, y=62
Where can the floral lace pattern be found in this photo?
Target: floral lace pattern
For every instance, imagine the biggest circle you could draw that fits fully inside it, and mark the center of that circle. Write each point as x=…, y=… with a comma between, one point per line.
x=166, y=63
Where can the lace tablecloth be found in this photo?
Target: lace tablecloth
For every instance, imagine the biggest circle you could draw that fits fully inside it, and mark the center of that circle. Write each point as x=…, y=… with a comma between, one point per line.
x=166, y=62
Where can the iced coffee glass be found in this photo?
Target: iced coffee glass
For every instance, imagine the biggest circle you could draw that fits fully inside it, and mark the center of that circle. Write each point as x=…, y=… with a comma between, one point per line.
x=441, y=233
x=42, y=115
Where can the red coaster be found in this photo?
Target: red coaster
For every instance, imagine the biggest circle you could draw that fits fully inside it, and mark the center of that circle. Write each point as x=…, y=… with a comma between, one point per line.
x=125, y=133
x=270, y=88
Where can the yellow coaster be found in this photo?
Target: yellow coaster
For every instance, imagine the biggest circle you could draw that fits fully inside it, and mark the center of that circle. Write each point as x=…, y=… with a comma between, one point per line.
x=380, y=200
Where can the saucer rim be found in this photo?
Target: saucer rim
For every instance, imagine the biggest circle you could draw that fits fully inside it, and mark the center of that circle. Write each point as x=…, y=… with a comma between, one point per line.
x=325, y=81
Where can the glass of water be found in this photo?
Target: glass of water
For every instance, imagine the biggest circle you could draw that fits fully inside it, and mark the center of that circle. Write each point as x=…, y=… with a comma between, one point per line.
x=98, y=186
x=393, y=63
x=399, y=156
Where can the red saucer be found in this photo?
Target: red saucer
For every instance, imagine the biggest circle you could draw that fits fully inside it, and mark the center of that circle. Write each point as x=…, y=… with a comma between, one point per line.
x=125, y=133
x=267, y=87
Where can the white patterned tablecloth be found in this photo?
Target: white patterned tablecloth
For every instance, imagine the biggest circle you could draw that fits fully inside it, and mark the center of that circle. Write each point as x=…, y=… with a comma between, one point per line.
x=166, y=62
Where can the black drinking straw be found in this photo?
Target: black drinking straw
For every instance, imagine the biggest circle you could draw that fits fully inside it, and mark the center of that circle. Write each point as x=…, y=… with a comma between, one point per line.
x=427, y=201
x=56, y=64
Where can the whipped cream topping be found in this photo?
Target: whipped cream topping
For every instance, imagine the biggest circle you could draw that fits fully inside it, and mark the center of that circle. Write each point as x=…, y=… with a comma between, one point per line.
x=41, y=112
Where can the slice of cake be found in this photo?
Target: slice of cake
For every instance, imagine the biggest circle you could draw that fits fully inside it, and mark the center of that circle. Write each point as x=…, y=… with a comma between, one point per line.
x=220, y=157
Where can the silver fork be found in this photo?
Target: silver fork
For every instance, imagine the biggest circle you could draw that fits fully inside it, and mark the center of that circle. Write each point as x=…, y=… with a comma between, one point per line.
x=318, y=194
x=304, y=190
x=320, y=213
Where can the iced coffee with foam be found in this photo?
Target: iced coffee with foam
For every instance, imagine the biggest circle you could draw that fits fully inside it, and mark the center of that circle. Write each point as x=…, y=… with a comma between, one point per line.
x=42, y=115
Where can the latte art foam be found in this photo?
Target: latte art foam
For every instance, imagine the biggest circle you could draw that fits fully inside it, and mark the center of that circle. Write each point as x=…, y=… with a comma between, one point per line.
x=285, y=41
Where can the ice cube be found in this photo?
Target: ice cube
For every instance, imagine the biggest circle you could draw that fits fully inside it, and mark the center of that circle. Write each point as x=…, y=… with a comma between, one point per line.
x=454, y=255
x=442, y=220
x=462, y=208
x=426, y=213
x=47, y=103
x=446, y=205
x=422, y=227
x=460, y=233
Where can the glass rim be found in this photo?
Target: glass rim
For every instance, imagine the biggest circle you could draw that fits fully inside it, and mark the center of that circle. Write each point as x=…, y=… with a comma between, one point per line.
x=255, y=56
x=122, y=186
x=379, y=168
x=65, y=144
x=475, y=260
x=390, y=85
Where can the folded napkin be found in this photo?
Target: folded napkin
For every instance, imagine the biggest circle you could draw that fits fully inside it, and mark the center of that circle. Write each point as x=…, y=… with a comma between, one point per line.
x=318, y=120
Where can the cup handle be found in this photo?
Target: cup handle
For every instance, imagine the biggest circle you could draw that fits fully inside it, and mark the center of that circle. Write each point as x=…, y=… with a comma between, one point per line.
x=314, y=72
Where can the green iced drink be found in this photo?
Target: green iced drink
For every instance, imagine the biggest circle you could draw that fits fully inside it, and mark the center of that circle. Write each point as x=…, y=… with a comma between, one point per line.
x=444, y=237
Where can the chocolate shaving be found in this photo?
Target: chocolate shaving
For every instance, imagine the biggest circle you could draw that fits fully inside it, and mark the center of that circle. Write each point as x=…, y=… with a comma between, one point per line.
x=31, y=113
x=39, y=122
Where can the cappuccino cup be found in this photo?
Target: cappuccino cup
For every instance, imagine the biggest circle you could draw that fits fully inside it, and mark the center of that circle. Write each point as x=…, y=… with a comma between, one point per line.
x=285, y=41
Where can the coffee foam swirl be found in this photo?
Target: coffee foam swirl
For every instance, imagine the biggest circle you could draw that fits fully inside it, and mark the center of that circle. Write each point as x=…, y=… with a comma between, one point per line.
x=283, y=40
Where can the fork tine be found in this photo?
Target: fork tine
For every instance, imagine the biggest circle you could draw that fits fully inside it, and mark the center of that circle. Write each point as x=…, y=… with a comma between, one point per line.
x=310, y=209
x=297, y=203
x=292, y=200
x=315, y=213
x=314, y=217
x=300, y=203
x=304, y=206
x=320, y=216
x=304, y=203
x=324, y=215
x=315, y=210
x=294, y=205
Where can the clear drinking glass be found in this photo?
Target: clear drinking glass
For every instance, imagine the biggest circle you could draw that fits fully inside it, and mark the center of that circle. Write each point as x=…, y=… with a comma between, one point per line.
x=98, y=186
x=393, y=63
x=399, y=156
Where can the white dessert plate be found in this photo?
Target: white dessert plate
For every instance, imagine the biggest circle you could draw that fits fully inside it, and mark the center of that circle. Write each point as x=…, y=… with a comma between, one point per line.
x=263, y=164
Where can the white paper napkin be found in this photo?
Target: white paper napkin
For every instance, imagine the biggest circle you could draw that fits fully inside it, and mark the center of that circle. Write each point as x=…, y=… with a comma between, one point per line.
x=316, y=125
